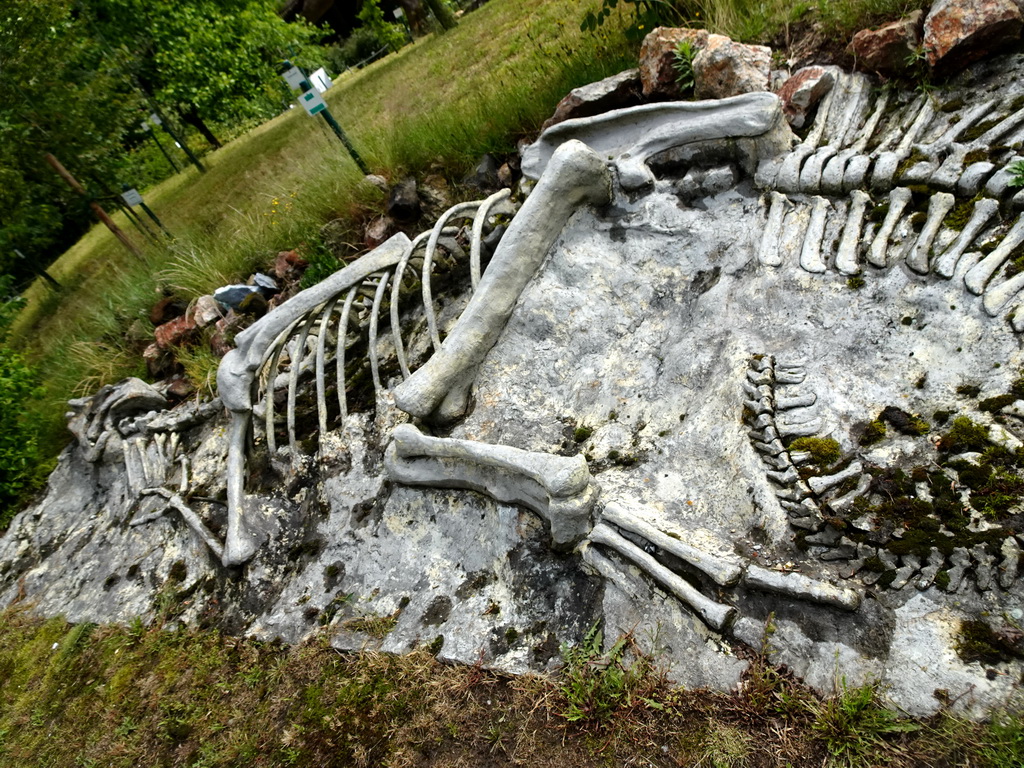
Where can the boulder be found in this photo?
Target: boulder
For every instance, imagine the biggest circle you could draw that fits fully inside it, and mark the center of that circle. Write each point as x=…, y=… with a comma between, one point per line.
x=175, y=333
x=959, y=32
x=377, y=181
x=801, y=93
x=232, y=296
x=377, y=231
x=724, y=68
x=615, y=92
x=206, y=311
x=266, y=285
x=888, y=50
x=485, y=176
x=403, y=203
x=658, y=57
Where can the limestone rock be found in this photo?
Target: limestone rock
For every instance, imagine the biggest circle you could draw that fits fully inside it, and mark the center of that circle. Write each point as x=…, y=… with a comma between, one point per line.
x=206, y=311
x=403, y=203
x=886, y=50
x=159, y=362
x=959, y=32
x=376, y=181
x=377, y=231
x=802, y=92
x=615, y=92
x=288, y=263
x=233, y=295
x=658, y=56
x=726, y=68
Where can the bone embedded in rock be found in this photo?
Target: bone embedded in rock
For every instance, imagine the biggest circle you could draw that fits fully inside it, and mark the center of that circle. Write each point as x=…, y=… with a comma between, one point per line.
x=631, y=136
x=804, y=587
x=768, y=253
x=823, y=483
x=810, y=255
x=846, y=256
x=722, y=570
x=716, y=615
x=939, y=205
x=576, y=176
x=982, y=213
x=980, y=274
x=898, y=200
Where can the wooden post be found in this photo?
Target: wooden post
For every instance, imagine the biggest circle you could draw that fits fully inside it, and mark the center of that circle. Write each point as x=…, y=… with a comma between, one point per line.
x=100, y=213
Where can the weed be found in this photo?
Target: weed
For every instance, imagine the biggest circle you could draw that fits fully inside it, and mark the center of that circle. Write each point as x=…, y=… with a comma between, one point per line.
x=1016, y=174
x=855, y=282
x=854, y=725
x=595, y=684
x=582, y=433
x=682, y=64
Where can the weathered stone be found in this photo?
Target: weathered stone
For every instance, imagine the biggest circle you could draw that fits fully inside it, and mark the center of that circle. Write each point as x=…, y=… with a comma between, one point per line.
x=376, y=181
x=403, y=202
x=377, y=231
x=615, y=92
x=726, y=68
x=889, y=49
x=176, y=333
x=658, y=58
x=159, y=362
x=484, y=177
x=206, y=311
x=232, y=296
x=801, y=93
x=266, y=284
x=959, y=32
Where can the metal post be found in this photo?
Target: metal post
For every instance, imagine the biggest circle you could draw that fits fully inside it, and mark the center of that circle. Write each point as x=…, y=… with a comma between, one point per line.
x=148, y=212
x=180, y=142
x=39, y=271
x=152, y=135
x=345, y=140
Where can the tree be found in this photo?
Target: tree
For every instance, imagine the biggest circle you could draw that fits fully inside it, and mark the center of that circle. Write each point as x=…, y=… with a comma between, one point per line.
x=208, y=60
x=442, y=13
x=58, y=92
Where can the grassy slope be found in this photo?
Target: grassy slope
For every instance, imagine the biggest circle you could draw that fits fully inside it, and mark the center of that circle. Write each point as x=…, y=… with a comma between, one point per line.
x=438, y=104
x=112, y=697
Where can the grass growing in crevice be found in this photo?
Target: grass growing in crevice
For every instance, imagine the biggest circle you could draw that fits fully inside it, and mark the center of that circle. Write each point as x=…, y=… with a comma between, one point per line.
x=128, y=696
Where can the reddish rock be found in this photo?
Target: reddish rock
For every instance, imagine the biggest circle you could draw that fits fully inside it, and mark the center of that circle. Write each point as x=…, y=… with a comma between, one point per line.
x=888, y=50
x=959, y=32
x=658, y=57
x=377, y=231
x=506, y=176
x=178, y=388
x=802, y=92
x=176, y=332
x=724, y=68
x=288, y=264
x=166, y=310
x=615, y=92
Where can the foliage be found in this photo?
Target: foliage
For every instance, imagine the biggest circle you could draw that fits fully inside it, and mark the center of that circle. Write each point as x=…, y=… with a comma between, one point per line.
x=1017, y=174
x=388, y=34
x=682, y=63
x=358, y=47
x=854, y=725
x=596, y=684
x=646, y=15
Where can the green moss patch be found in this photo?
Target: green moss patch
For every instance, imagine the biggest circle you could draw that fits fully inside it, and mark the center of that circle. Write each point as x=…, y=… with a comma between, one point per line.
x=824, y=450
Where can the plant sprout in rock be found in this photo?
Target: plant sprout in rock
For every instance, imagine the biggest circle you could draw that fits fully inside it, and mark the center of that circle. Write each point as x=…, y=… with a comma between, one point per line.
x=683, y=65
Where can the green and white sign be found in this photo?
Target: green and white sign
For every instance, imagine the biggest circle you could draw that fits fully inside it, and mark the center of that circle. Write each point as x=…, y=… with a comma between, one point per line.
x=312, y=102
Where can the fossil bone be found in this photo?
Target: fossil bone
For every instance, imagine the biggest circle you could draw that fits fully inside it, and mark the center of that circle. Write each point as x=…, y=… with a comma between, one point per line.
x=556, y=487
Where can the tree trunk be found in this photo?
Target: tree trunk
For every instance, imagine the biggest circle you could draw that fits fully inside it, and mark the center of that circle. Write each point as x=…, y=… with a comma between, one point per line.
x=191, y=116
x=442, y=13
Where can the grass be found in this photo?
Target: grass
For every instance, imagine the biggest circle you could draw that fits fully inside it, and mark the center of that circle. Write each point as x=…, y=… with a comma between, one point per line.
x=126, y=696
x=435, y=107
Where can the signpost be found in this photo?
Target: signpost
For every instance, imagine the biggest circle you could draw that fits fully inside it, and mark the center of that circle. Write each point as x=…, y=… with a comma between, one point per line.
x=314, y=104
x=152, y=134
x=132, y=197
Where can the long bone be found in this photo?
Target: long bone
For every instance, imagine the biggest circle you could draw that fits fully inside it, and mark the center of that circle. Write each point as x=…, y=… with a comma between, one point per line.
x=557, y=488
x=576, y=176
x=631, y=136
x=714, y=614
